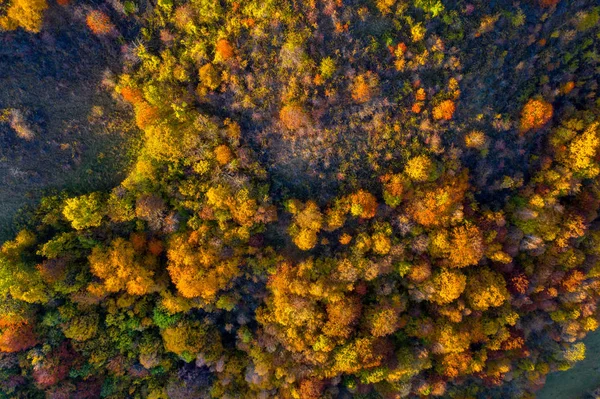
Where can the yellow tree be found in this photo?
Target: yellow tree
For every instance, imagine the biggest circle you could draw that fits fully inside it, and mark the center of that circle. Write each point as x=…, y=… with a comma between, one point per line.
x=196, y=266
x=485, y=289
x=121, y=267
x=307, y=222
x=466, y=246
x=26, y=14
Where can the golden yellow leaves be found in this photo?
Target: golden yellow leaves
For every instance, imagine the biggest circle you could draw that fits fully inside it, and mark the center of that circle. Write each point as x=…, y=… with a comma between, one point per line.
x=196, y=267
x=466, y=246
x=486, y=288
x=307, y=222
x=223, y=154
x=121, y=267
x=581, y=151
x=419, y=168
x=210, y=78
x=475, y=139
x=27, y=14
x=448, y=285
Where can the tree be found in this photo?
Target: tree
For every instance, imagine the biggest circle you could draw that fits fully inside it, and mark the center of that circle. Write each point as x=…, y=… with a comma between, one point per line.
x=293, y=117
x=209, y=77
x=81, y=327
x=99, y=23
x=363, y=204
x=191, y=338
x=485, y=289
x=307, y=222
x=444, y=110
x=466, y=246
x=581, y=150
x=364, y=87
x=448, y=285
x=26, y=14
x=85, y=211
x=151, y=208
x=122, y=267
x=223, y=154
x=16, y=338
x=419, y=168
x=196, y=267
x=393, y=189
x=535, y=114
x=475, y=139
x=224, y=50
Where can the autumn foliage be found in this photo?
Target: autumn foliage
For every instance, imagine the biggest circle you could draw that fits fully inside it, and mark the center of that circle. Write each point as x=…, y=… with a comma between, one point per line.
x=26, y=14
x=17, y=337
x=99, y=23
x=535, y=114
x=326, y=199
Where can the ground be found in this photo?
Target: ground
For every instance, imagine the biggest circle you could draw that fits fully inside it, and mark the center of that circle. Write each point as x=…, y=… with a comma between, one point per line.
x=578, y=381
x=58, y=87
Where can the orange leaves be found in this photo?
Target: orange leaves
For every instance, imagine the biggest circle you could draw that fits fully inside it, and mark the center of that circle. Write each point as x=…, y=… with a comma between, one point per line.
x=99, y=23
x=311, y=388
x=223, y=154
x=420, y=271
x=16, y=338
x=519, y=283
x=393, y=188
x=308, y=309
x=535, y=114
x=145, y=114
x=121, y=268
x=364, y=87
x=444, y=110
x=363, y=204
x=132, y=95
x=437, y=205
x=454, y=364
x=293, y=117
x=224, y=49
x=341, y=316
x=572, y=281
x=196, y=267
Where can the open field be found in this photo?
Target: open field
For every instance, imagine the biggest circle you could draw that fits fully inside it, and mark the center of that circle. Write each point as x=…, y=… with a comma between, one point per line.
x=583, y=378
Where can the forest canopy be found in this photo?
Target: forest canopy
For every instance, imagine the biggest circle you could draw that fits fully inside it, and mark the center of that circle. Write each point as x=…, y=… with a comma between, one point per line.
x=331, y=199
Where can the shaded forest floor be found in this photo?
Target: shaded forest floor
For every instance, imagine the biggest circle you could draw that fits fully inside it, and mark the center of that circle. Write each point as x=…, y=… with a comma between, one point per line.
x=81, y=135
